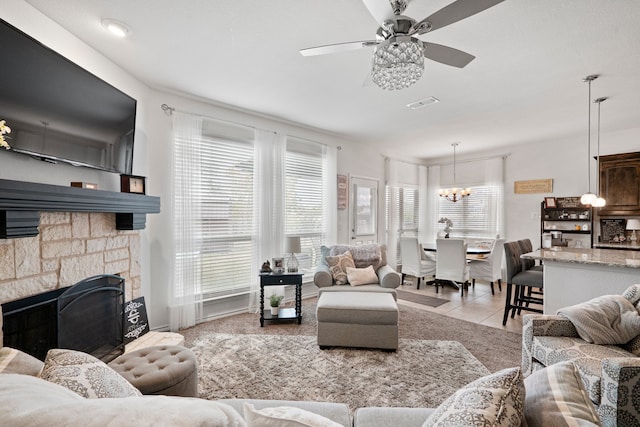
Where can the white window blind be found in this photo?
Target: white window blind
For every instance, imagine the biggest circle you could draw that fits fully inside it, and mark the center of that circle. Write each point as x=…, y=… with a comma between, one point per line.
x=224, y=191
x=402, y=203
x=304, y=197
x=472, y=216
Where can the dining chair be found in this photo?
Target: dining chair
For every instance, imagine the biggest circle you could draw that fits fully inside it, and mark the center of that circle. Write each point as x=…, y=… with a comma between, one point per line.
x=451, y=263
x=489, y=268
x=413, y=261
x=520, y=277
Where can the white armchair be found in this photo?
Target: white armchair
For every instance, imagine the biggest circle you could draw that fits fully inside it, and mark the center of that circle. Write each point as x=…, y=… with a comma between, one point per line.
x=413, y=263
x=489, y=268
x=451, y=263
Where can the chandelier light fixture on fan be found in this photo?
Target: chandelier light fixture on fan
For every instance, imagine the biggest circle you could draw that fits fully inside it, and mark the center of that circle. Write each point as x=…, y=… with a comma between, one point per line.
x=398, y=57
x=599, y=202
x=397, y=63
x=589, y=198
x=454, y=194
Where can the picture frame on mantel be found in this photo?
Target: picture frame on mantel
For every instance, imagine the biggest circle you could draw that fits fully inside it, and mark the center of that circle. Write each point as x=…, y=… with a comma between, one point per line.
x=550, y=202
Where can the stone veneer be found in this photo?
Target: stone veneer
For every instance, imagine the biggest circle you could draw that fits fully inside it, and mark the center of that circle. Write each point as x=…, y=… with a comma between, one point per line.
x=70, y=247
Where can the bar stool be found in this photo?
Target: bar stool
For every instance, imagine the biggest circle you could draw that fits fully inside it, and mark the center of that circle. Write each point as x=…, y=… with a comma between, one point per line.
x=521, y=277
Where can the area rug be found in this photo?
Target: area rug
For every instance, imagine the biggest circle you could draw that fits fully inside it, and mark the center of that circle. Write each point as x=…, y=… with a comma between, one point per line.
x=421, y=299
x=495, y=348
x=421, y=373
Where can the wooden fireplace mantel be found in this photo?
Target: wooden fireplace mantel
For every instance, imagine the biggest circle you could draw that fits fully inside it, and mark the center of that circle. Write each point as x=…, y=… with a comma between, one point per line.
x=21, y=203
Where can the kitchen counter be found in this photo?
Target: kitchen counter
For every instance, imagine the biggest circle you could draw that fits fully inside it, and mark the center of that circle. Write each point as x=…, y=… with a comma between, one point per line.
x=573, y=275
x=602, y=257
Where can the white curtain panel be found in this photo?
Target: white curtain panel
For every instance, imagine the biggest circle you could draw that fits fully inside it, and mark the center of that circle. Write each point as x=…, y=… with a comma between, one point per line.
x=423, y=197
x=330, y=176
x=494, y=176
x=268, y=214
x=430, y=230
x=185, y=299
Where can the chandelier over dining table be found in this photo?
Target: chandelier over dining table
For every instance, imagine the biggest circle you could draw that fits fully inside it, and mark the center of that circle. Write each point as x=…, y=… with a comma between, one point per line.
x=454, y=194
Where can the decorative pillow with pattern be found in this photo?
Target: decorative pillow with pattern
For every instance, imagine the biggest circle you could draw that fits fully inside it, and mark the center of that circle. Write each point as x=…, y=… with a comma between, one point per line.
x=338, y=267
x=494, y=400
x=363, y=255
x=86, y=375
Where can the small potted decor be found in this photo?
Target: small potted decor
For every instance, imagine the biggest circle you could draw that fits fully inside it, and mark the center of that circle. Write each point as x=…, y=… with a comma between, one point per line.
x=447, y=226
x=274, y=301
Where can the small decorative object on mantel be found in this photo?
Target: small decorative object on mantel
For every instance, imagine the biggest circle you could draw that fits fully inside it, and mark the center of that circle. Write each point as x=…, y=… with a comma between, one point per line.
x=447, y=226
x=133, y=184
x=4, y=129
x=266, y=267
x=89, y=185
x=278, y=265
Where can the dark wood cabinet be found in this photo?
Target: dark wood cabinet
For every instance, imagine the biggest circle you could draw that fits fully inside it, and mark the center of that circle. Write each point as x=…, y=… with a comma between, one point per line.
x=620, y=184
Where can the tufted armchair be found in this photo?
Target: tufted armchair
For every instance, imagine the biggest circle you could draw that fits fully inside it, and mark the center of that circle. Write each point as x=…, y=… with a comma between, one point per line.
x=610, y=373
x=363, y=256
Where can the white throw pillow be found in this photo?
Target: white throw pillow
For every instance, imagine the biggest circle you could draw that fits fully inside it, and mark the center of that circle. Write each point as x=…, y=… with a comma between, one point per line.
x=284, y=416
x=86, y=375
x=361, y=276
x=493, y=400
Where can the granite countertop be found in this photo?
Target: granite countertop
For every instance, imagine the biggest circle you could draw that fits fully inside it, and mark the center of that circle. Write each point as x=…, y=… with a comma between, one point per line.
x=607, y=257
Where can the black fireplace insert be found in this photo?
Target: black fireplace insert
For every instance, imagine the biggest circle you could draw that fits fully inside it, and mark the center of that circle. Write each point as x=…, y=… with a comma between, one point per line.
x=88, y=316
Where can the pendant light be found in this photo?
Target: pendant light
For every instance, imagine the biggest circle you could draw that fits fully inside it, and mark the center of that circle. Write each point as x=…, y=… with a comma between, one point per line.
x=452, y=194
x=600, y=201
x=588, y=198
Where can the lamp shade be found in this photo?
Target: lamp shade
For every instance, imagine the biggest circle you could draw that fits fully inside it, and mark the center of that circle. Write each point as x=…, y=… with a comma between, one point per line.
x=292, y=245
x=633, y=224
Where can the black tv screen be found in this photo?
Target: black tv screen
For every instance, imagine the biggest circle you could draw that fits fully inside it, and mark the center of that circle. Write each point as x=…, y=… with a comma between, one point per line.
x=58, y=111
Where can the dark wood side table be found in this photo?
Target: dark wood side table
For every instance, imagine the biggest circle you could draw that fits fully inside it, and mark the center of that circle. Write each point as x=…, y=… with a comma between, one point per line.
x=281, y=279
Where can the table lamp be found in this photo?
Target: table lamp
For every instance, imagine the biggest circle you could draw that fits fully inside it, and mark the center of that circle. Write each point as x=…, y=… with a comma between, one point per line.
x=633, y=224
x=292, y=246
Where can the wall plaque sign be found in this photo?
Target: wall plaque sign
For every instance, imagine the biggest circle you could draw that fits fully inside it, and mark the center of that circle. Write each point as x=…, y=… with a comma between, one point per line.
x=533, y=186
x=343, y=188
x=136, y=323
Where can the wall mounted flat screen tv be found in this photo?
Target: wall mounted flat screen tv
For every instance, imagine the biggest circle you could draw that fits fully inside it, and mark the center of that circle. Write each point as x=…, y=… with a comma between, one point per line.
x=58, y=111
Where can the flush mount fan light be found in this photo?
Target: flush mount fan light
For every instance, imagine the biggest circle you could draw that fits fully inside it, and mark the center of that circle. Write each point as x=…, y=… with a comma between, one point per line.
x=398, y=57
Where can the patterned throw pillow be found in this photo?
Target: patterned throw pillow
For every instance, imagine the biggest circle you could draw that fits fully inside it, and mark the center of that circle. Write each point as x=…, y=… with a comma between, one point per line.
x=85, y=375
x=496, y=400
x=338, y=267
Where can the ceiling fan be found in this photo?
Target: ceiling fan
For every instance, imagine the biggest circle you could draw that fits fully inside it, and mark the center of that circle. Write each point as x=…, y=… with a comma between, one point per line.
x=398, y=56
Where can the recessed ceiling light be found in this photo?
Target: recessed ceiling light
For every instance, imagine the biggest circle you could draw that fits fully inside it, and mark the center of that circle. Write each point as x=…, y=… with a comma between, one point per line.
x=423, y=103
x=116, y=28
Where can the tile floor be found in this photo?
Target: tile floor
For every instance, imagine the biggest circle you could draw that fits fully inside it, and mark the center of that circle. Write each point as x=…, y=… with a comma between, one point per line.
x=478, y=305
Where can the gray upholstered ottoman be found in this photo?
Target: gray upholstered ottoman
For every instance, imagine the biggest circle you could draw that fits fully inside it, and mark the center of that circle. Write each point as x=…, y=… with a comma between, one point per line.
x=357, y=319
x=169, y=370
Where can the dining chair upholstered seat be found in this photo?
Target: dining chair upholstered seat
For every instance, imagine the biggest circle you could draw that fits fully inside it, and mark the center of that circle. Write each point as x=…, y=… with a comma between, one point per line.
x=413, y=261
x=520, y=277
x=489, y=268
x=451, y=263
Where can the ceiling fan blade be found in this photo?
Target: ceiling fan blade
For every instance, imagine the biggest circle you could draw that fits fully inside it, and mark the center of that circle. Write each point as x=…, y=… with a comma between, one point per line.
x=455, y=12
x=339, y=47
x=447, y=55
x=381, y=10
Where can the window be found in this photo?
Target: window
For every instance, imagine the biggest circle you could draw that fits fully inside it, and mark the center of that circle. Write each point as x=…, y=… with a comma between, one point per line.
x=223, y=191
x=402, y=203
x=473, y=216
x=304, y=197
x=223, y=174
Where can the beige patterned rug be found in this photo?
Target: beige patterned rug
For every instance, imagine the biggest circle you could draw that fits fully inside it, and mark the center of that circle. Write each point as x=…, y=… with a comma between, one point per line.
x=421, y=373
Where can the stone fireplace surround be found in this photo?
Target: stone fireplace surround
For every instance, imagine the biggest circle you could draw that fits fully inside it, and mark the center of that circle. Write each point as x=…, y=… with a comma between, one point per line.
x=71, y=234
x=70, y=247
